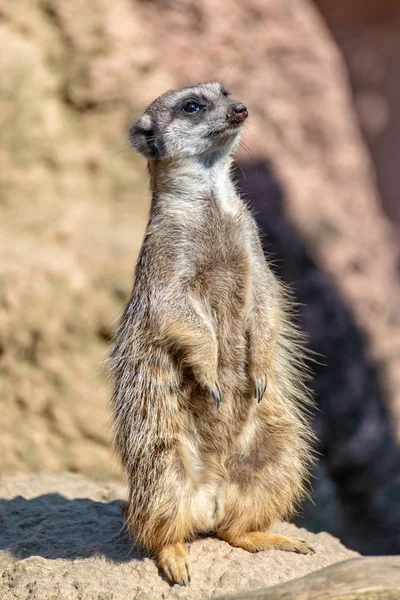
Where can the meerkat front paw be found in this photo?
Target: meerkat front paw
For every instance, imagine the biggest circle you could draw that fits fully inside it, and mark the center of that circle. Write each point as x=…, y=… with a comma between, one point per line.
x=210, y=383
x=260, y=385
x=215, y=392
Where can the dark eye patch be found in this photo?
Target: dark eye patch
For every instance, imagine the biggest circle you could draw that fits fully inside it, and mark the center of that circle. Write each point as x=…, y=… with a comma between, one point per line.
x=185, y=107
x=225, y=92
x=191, y=106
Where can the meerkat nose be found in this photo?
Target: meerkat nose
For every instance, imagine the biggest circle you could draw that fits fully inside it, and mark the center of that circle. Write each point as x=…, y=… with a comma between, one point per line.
x=237, y=112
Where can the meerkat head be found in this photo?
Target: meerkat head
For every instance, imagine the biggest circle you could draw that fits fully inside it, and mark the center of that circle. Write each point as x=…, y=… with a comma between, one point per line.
x=199, y=120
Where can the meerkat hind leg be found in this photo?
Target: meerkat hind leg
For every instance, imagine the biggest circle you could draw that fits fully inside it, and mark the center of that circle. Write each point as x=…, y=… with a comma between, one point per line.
x=256, y=541
x=174, y=562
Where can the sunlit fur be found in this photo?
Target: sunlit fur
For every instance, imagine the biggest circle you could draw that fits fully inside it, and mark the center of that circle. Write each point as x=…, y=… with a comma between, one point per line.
x=206, y=316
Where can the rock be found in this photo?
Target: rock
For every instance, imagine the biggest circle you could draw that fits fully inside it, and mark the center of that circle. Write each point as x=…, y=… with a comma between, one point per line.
x=368, y=33
x=62, y=537
x=358, y=579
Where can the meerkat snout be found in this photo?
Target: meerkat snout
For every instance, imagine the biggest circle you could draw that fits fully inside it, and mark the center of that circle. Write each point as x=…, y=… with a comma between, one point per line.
x=237, y=112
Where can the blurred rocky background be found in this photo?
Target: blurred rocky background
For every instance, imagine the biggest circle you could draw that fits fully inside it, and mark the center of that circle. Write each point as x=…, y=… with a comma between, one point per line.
x=74, y=201
x=368, y=33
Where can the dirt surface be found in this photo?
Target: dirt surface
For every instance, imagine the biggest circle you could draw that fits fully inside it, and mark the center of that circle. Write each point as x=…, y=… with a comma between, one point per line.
x=61, y=537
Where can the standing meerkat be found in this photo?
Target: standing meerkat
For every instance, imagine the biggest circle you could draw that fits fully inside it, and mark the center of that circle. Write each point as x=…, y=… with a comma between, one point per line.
x=209, y=380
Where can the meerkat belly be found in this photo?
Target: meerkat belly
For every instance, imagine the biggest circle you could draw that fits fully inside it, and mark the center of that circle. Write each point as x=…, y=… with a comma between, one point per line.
x=222, y=290
x=205, y=484
x=208, y=480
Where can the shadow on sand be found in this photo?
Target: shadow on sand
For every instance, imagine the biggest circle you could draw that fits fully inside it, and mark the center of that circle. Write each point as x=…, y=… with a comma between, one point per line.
x=53, y=526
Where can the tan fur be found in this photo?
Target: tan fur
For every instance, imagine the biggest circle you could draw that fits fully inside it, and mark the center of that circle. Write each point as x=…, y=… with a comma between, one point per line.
x=259, y=540
x=208, y=324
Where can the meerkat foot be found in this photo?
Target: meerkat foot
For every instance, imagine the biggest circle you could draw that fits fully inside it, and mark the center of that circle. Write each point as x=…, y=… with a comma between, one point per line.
x=260, y=385
x=174, y=562
x=260, y=540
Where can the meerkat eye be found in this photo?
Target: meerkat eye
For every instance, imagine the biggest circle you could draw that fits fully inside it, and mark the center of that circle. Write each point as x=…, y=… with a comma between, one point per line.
x=225, y=92
x=191, y=106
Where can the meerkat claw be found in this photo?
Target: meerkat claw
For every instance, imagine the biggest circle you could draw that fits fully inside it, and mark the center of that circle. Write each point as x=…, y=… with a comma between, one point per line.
x=260, y=385
x=215, y=393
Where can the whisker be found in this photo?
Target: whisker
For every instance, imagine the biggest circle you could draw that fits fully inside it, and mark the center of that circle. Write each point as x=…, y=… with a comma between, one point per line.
x=117, y=152
x=225, y=77
x=246, y=149
x=241, y=170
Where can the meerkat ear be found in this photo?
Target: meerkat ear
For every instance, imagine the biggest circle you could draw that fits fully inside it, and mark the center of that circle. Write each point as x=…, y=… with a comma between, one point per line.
x=145, y=139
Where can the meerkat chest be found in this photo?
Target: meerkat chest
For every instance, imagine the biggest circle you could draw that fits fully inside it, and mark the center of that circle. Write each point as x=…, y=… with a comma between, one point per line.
x=222, y=265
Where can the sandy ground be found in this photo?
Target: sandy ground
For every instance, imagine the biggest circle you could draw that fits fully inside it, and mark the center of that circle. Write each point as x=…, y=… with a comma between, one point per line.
x=62, y=537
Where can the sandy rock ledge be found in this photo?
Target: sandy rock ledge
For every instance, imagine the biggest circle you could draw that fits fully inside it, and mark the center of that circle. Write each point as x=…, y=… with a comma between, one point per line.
x=61, y=537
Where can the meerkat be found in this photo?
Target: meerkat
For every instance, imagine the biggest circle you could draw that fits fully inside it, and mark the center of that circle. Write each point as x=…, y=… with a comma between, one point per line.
x=210, y=390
